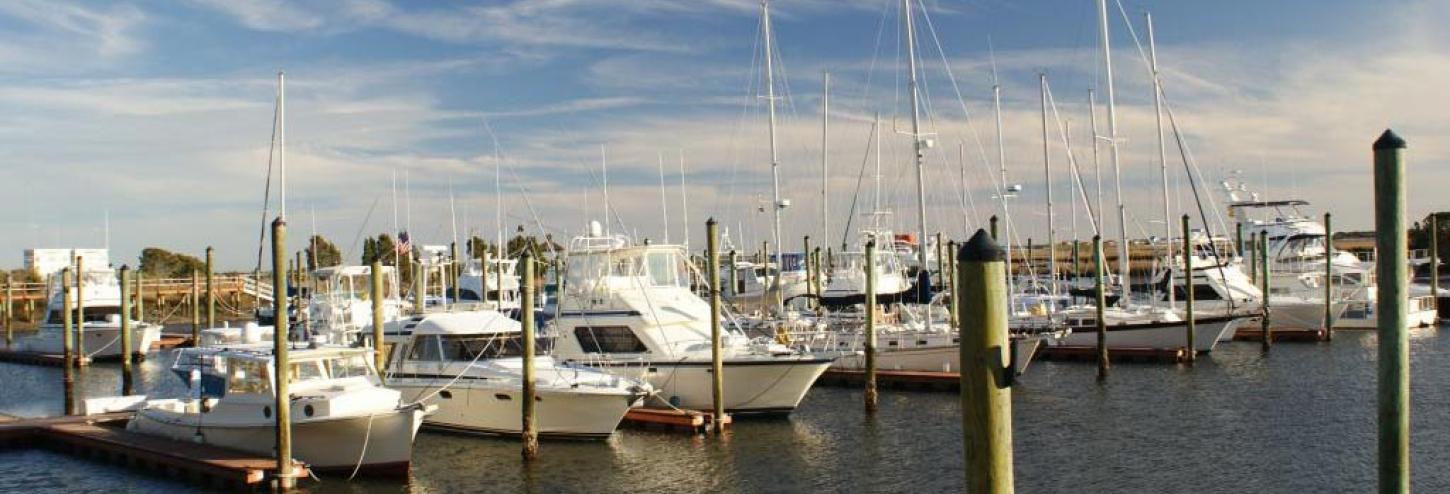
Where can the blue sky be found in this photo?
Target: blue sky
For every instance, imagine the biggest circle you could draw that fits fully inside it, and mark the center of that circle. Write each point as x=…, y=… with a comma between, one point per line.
x=159, y=113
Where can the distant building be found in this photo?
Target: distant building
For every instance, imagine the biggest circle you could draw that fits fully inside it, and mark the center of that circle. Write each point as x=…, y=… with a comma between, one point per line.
x=45, y=262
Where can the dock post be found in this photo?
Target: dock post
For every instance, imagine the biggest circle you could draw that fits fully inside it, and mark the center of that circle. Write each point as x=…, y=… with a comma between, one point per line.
x=210, y=290
x=820, y=282
x=456, y=270
x=286, y=479
x=1263, y=250
x=871, y=326
x=140, y=297
x=68, y=341
x=993, y=223
x=733, y=275
x=9, y=311
x=1394, y=353
x=1328, y=278
x=1076, y=261
x=1254, y=258
x=986, y=397
x=1188, y=290
x=419, y=302
x=810, y=264
x=126, y=378
x=1435, y=263
x=80, y=276
x=376, y=275
x=952, y=287
x=941, y=265
x=1101, y=302
x=717, y=366
x=526, y=317
x=196, y=308
x=1239, y=238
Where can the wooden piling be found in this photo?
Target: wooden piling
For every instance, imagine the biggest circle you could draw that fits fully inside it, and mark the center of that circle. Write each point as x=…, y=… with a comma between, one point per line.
x=526, y=316
x=1328, y=278
x=126, y=377
x=419, y=301
x=1264, y=287
x=986, y=398
x=9, y=312
x=68, y=342
x=1435, y=262
x=820, y=281
x=140, y=297
x=734, y=288
x=210, y=290
x=286, y=477
x=952, y=286
x=454, y=271
x=871, y=396
x=1394, y=354
x=376, y=278
x=196, y=307
x=1189, y=291
x=717, y=364
x=80, y=276
x=1099, y=286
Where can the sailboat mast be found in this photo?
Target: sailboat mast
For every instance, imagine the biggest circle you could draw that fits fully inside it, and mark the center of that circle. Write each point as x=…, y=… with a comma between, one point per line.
x=498, y=207
x=664, y=204
x=1162, y=150
x=876, y=179
x=825, y=157
x=1124, y=280
x=1006, y=239
x=684, y=201
x=604, y=175
x=1097, y=165
x=1047, y=183
x=916, y=141
x=774, y=157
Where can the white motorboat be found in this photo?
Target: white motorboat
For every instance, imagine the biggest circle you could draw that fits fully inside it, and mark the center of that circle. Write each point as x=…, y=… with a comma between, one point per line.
x=496, y=282
x=99, y=318
x=343, y=420
x=469, y=363
x=341, y=306
x=1159, y=328
x=630, y=309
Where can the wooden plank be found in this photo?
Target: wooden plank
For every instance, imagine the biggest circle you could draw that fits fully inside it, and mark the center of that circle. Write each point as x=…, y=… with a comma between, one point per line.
x=682, y=420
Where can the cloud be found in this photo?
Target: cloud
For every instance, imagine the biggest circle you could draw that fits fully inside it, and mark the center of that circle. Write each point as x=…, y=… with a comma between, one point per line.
x=60, y=37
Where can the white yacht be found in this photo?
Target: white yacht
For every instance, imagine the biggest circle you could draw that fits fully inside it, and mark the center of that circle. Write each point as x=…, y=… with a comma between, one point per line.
x=100, y=331
x=342, y=418
x=847, y=282
x=341, y=306
x=498, y=283
x=1146, y=327
x=630, y=309
x=469, y=363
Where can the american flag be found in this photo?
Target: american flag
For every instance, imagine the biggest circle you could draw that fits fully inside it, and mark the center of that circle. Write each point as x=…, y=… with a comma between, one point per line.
x=404, y=245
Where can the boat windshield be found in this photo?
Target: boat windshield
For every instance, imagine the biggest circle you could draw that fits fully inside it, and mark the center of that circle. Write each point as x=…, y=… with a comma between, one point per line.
x=248, y=376
x=658, y=267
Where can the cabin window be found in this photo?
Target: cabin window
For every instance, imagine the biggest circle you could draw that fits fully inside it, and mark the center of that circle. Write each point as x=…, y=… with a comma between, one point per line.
x=354, y=366
x=466, y=348
x=608, y=339
x=425, y=348
x=1200, y=292
x=664, y=270
x=467, y=294
x=308, y=371
x=247, y=376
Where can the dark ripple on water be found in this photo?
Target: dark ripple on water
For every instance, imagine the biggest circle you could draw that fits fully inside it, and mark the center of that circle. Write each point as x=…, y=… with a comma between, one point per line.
x=1301, y=420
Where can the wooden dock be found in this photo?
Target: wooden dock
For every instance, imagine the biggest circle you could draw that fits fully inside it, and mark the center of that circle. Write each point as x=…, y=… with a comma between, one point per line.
x=1288, y=335
x=689, y=421
x=104, y=437
x=894, y=379
x=1090, y=354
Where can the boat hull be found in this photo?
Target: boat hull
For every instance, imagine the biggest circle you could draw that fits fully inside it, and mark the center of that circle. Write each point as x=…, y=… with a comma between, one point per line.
x=99, y=341
x=765, y=386
x=476, y=408
x=1207, y=333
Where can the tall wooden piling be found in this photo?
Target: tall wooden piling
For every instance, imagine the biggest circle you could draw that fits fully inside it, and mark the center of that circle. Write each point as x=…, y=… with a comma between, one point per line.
x=941, y=264
x=1394, y=353
x=453, y=271
x=80, y=276
x=871, y=396
x=375, y=276
x=1264, y=321
x=810, y=265
x=196, y=307
x=952, y=286
x=820, y=282
x=1328, y=278
x=68, y=341
x=717, y=365
x=734, y=287
x=1435, y=263
x=419, y=289
x=140, y=297
x=210, y=290
x=126, y=377
x=1189, y=293
x=1101, y=303
x=9, y=311
x=986, y=398
x=526, y=316
x=286, y=478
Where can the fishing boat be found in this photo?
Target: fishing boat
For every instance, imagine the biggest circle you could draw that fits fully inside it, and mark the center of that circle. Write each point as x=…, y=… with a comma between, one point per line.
x=341, y=306
x=629, y=309
x=343, y=420
x=469, y=363
x=98, y=319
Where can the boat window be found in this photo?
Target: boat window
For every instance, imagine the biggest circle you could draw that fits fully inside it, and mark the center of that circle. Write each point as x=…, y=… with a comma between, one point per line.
x=351, y=366
x=100, y=314
x=310, y=370
x=608, y=339
x=248, y=376
x=425, y=348
x=1200, y=292
x=466, y=348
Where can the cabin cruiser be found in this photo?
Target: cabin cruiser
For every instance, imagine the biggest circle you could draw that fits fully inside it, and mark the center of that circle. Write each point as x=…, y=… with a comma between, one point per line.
x=343, y=420
x=627, y=308
x=469, y=363
x=847, y=281
x=341, y=306
x=99, y=318
x=496, y=281
x=751, y=284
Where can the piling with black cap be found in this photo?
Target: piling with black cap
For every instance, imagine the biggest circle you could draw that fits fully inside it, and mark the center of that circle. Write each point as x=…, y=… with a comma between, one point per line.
x=1188, y=292
x=196, y=307
x=80, y=275
x=9, y=311
x=871, y=396
x=993, y=223
x=1100, y=293
x=1394, y=353
x=526, y=313
x=1435, y=263
x=986, y=398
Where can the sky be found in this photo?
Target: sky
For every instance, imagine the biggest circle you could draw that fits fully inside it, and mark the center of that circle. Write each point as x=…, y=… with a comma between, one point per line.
x=156, y=117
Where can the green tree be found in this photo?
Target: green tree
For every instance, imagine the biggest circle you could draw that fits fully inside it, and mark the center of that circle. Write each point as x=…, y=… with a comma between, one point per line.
x=322, y=253
x=161, y=263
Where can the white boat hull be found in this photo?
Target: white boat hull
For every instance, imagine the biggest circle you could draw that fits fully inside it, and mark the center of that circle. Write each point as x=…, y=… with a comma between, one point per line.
x=477, y=408
x=774, y=385
x=99, y=340
x=331, y=444
x=1206, y=335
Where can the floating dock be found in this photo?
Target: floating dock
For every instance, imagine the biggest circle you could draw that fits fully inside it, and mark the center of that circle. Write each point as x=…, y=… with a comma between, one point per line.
x=1090, y=353
x=1254, y=334
x=690, y=421
x=104, y=437
x=894, y=379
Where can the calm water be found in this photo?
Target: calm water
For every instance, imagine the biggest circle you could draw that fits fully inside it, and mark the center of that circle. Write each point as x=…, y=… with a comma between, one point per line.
x=1300, y=420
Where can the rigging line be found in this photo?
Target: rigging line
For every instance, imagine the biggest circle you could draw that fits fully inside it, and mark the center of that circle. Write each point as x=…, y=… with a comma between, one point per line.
x=956, y=88
x=1193, y=184
x=356, y=239
x=1072, y=161
x=851, y=214
x=267, y=190
x=746, y=105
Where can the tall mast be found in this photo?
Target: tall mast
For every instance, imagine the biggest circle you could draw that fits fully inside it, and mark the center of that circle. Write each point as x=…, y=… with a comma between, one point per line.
x=876, y=194
x=498, y=207
x=1124, y=282
x=684, y=200
x=1162, y=152
x=774, y=157
x=664, y=205
x=825, y=157
x=1097, y=166
x=1047, y=179
x=604, y=174
x=916, y=139
x=282, y=143
x=1006, y=239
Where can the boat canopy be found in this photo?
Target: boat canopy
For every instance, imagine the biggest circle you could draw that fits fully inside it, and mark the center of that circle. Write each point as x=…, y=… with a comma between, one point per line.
x=480, y=322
